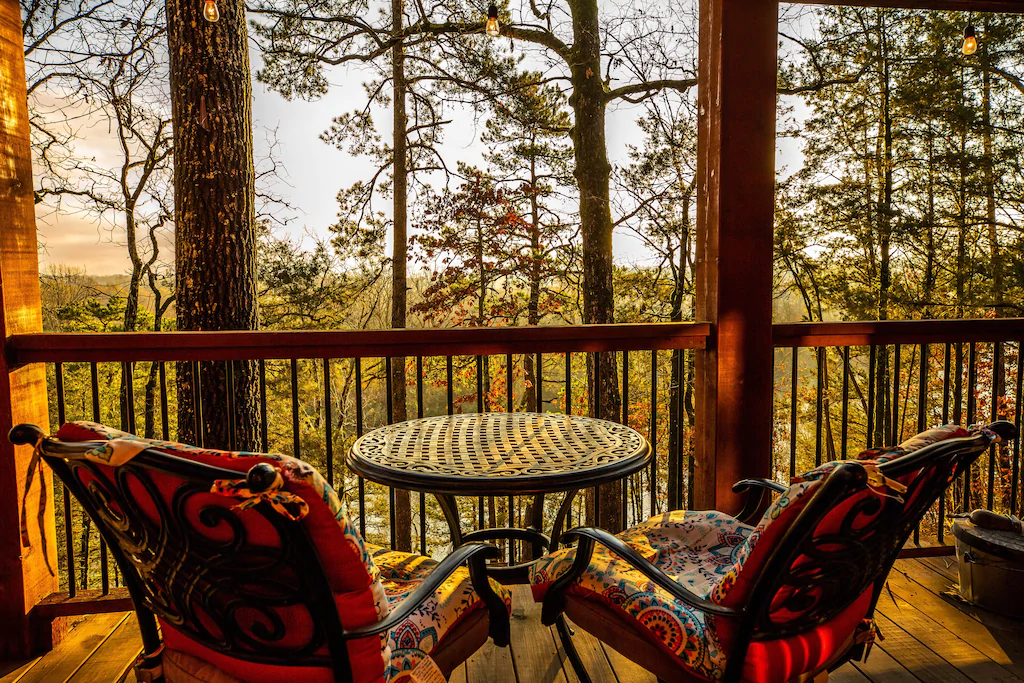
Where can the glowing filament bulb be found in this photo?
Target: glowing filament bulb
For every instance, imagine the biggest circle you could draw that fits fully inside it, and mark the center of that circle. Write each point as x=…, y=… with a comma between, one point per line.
x=210, y=11
x=970, y=41
x=493, y=28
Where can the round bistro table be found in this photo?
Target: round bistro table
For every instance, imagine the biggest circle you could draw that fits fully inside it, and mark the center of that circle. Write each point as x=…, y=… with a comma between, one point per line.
x=491, y=454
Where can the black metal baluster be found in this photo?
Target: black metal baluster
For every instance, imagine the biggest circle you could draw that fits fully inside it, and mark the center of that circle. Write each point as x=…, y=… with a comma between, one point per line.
x=946, y=364
x=229, y=378
x=480, y=409
x=972, y=404
x=450, y=371
x=793, y=411
x=328, y=422
x=69, y=540
x=231, y=416
x=691, y=465
x=922, y=410
x=296, y=440
x=819, y=402
x=360, y=482
x=264, y=425
x=423, y=496
x=869, y=440
x=1014, y=485
x=894, y=435
x=997, y=367
x=509, y=402
x=539, y=378
x=654, y=433
x=624, y=493
x=197, y=405
x=129, y=398
x=844, y=429
x=165, y=423
x=568, y=383
x=393, y=523
x=97, y=417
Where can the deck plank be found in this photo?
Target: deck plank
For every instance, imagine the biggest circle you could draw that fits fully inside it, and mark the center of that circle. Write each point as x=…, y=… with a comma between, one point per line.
x=491, y=663
x=847, y=673
x=592, y=654
x=114, y=658
x=64, y=660
x=626, y=670
x=533, y=650
x=928, y=638
x=916, y=657
x=959, y=618
x=881, y=667
x=944, y=642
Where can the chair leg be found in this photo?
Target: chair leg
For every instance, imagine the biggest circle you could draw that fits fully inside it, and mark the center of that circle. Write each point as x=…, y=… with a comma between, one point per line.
x=564, y=634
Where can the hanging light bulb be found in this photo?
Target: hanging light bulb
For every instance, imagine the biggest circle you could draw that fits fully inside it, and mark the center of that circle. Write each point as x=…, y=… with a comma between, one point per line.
x=970, y=40
x=210, y=11
x=493, y=28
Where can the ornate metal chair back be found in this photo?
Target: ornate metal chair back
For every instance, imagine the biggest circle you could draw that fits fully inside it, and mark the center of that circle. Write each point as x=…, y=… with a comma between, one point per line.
x=245, y=582
x=845, y=538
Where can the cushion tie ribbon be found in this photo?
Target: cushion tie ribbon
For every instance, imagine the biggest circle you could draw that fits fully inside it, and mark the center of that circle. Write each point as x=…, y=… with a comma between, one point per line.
x=284, y=502
x=878, y=482
x=36, y=465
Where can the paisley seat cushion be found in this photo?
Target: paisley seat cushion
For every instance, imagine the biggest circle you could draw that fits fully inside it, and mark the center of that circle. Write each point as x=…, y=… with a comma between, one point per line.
x=416, y=637
x=695, y=548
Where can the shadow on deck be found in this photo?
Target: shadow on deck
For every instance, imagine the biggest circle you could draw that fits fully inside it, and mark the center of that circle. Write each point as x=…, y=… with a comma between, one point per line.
x=928, y=637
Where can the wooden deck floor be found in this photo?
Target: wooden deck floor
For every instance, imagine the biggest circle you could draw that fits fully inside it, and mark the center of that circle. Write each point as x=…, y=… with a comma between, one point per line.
x=928, y=638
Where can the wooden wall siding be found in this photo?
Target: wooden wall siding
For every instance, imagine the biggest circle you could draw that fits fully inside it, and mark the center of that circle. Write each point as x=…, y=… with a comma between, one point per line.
x=736, y=174
x=24, y=577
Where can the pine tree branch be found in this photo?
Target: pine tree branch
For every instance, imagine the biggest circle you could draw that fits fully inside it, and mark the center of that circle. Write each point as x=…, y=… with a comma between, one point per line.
x=648, y=89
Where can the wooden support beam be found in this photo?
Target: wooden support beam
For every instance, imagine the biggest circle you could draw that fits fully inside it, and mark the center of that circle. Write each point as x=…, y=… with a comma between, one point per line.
x=736, y=175
x=24, y=576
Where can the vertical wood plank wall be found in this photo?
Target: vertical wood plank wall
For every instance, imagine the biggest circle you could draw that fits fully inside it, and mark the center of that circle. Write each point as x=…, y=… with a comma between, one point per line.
x=24, y=577
x=736, y=184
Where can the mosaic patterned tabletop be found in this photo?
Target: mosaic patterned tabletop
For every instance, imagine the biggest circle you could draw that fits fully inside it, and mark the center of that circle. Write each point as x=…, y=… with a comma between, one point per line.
x=487, y=451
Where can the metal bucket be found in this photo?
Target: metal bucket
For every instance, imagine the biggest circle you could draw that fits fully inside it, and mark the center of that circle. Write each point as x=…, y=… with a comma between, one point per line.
x=991, y=567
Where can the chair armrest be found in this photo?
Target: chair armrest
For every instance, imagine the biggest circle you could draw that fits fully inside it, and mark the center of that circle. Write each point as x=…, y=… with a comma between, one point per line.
x=476, y=555
x=755, y=502
x=554, y=601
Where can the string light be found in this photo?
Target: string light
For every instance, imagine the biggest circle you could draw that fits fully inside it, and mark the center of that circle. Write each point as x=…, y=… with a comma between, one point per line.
x=210, y=11
x=493, y=28
x=970, y=40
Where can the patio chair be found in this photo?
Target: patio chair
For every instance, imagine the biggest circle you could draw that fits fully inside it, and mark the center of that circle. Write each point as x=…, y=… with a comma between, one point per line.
x=250, y=565
x=697, y=596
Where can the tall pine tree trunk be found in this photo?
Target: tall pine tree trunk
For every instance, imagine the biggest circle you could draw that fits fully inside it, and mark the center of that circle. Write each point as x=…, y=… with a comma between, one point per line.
x=533, y=400
x=990, y=181
x=399, y=281
x=214, y=211
x=593, y=172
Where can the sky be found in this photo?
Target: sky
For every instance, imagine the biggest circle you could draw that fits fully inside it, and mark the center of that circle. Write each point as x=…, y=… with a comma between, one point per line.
x=311, y=171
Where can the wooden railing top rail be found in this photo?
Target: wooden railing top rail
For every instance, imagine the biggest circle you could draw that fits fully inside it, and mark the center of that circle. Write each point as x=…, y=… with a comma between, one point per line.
x=243, y=345
x=897, y=332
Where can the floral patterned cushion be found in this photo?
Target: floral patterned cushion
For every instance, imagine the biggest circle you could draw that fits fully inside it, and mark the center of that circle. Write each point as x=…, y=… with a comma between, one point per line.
x=695, y=548
x=416, y=637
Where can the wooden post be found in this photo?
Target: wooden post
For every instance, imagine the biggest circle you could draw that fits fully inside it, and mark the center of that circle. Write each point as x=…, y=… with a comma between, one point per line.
x=24, y=577
x=736, y=172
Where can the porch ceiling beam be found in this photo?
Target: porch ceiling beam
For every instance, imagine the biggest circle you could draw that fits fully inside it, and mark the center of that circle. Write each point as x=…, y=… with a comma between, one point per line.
x=1005, y=6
